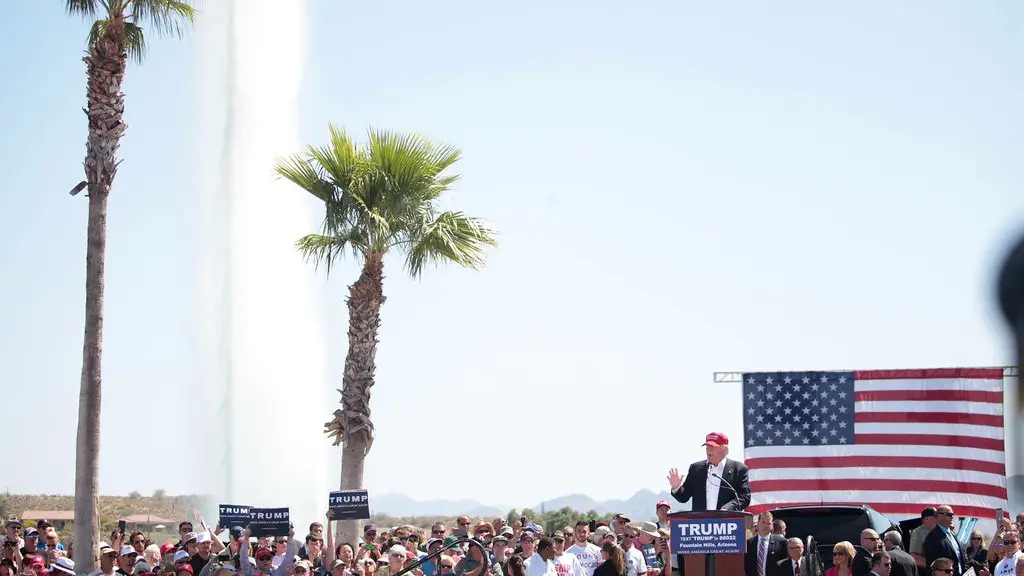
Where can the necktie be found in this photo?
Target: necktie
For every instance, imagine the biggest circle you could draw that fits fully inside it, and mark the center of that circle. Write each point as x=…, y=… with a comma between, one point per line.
x=796, y=569
x=762, y=553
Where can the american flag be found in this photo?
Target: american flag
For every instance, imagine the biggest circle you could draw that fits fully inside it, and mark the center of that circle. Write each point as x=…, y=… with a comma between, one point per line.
x=899, y=440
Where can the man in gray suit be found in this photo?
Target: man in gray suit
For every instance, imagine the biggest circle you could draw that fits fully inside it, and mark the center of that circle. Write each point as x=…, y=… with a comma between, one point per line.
x=902, y=563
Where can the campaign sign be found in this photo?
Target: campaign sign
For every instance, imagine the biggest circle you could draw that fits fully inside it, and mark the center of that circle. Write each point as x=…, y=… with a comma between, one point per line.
x=232, y=515
x=269, y=522
x=708, y=536
x=350, y=505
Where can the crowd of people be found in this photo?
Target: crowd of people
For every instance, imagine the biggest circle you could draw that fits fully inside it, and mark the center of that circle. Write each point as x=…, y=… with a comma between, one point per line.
x=623, y=548
x=495, y=548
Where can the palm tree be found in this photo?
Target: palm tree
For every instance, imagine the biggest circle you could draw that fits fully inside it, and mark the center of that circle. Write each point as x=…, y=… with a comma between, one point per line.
x=115, y=37
x=380, y=197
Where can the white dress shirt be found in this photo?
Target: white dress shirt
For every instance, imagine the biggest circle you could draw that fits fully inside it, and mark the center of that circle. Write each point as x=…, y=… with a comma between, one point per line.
x=713, y=484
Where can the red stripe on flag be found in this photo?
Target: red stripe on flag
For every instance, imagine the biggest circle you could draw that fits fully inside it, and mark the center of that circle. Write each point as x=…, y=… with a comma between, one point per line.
x=994, y=420
x=930, y=440
x=879, y=485
x=935, y=395
x=988, y=373
x=877, y=462
x=885, y=508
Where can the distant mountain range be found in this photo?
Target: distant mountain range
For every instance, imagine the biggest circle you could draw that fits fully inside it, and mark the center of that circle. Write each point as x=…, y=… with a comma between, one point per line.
x=639, y=506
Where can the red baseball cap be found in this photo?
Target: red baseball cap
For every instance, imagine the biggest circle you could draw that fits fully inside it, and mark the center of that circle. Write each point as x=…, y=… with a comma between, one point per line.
x=662, y=503
x=716, y=439
x=167, y=547
x=184, y=567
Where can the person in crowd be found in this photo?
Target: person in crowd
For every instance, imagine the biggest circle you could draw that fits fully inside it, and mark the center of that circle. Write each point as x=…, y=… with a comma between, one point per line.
x=880, y=563
x=764, y=549
x=1011, y=552
x=527, y=545
x=13, y=529
x=184, y=529
x=369, y=567
x=779, y=527
x=63, y=567
x=31, y=536
x=464, y=523
x=995, y=549
x=264, y=557
x=928, y=520
x=499, y=549
x=646, y=537
x=903, y=564
x=588, y=555
x=397, y=556
x=151, y=554
x=280, y=549
x=203, y=553
x=842, y=559
x=942, y=567
x=869, y=544
x=438, y=530
x=126, y=560
x=635, y=564
x=793, y=564
x=723, y=480
x=541, y=563
x=942, y=543
x=566, y=563
x=472, y=562
x=514, y=567
x=108, y=561
x=231, y=554
x=662, y=510
x=1020, y=567
x=613, y=561
x=976, y=547
x=369, y=547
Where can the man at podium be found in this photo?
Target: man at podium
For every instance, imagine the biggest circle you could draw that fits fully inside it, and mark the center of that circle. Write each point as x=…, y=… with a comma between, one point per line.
x=717, y=483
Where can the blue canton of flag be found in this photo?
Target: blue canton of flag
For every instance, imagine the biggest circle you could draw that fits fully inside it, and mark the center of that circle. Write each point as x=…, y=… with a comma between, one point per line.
x=798, y=408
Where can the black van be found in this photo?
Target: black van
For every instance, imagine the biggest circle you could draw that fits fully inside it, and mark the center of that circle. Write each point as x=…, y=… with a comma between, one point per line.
x=832, y=524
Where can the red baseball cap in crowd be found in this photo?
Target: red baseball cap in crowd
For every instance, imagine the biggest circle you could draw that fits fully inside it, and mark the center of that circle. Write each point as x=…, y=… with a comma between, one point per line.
x=662, y=503
x=716, y=439
x=183, y=567
x=167, y=547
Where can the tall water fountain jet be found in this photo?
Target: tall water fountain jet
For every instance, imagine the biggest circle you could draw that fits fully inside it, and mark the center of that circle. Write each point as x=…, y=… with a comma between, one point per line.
x=263, y=383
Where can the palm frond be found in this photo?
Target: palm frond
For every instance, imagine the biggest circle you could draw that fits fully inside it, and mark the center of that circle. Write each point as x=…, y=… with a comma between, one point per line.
x=96, y=31
x=452, y=237
x=83, y=8
x=323, y=250
x=172, y=17
x=134, y=42
x=385, y=195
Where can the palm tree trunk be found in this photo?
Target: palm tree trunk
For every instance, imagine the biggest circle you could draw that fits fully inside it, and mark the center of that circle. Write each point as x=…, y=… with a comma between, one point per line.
x=365, y=299
x=105, y=67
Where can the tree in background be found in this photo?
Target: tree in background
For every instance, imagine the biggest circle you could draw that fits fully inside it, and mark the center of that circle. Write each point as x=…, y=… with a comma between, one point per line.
x=380, y=197
x=115, y=37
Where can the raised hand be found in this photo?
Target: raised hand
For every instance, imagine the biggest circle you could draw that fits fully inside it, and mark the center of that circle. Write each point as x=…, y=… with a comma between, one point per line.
x=675, y=479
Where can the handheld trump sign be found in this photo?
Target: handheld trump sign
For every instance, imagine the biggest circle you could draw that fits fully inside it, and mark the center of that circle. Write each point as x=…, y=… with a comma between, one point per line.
x=269, y=522
x=350, y=505
x=232, y=515
x=708, y=536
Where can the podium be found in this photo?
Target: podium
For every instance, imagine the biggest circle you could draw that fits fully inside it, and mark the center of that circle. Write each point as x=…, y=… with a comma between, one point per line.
x=711, y=543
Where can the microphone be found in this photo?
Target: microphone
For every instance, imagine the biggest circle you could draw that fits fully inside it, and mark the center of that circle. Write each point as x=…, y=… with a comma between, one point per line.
x=711, y=472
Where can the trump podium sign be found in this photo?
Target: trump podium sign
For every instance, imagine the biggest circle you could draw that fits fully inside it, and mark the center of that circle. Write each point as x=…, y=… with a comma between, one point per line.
x=708, y=536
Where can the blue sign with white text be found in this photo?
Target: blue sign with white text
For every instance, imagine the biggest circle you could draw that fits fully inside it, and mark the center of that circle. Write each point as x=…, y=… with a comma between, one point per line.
x=708, y=536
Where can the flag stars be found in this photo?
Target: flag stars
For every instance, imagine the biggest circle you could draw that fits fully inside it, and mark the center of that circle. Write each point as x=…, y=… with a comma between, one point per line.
x=806, y=380
x=798, y=408
x=769, y=380
x=760, y=388
x=751, y=396
x=787, y=380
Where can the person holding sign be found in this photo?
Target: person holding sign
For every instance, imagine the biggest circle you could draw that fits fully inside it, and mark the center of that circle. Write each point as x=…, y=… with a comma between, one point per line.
x=264, y=557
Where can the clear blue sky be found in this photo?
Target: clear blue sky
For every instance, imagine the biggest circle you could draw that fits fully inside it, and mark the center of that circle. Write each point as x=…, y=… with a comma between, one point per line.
x=680, y=187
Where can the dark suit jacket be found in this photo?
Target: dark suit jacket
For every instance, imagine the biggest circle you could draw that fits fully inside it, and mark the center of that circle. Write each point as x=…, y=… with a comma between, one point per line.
x=695, y=486
x=776, y=552
x=784, y=567
x=938, y=545
x=861, y=562
x=902, y=563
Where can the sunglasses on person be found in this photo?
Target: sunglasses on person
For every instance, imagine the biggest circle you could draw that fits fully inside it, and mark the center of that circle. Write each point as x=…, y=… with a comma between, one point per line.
x=950, y=514
x=446, y=567
x=138, y=541
x=1007, y=541
x=437, y=531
